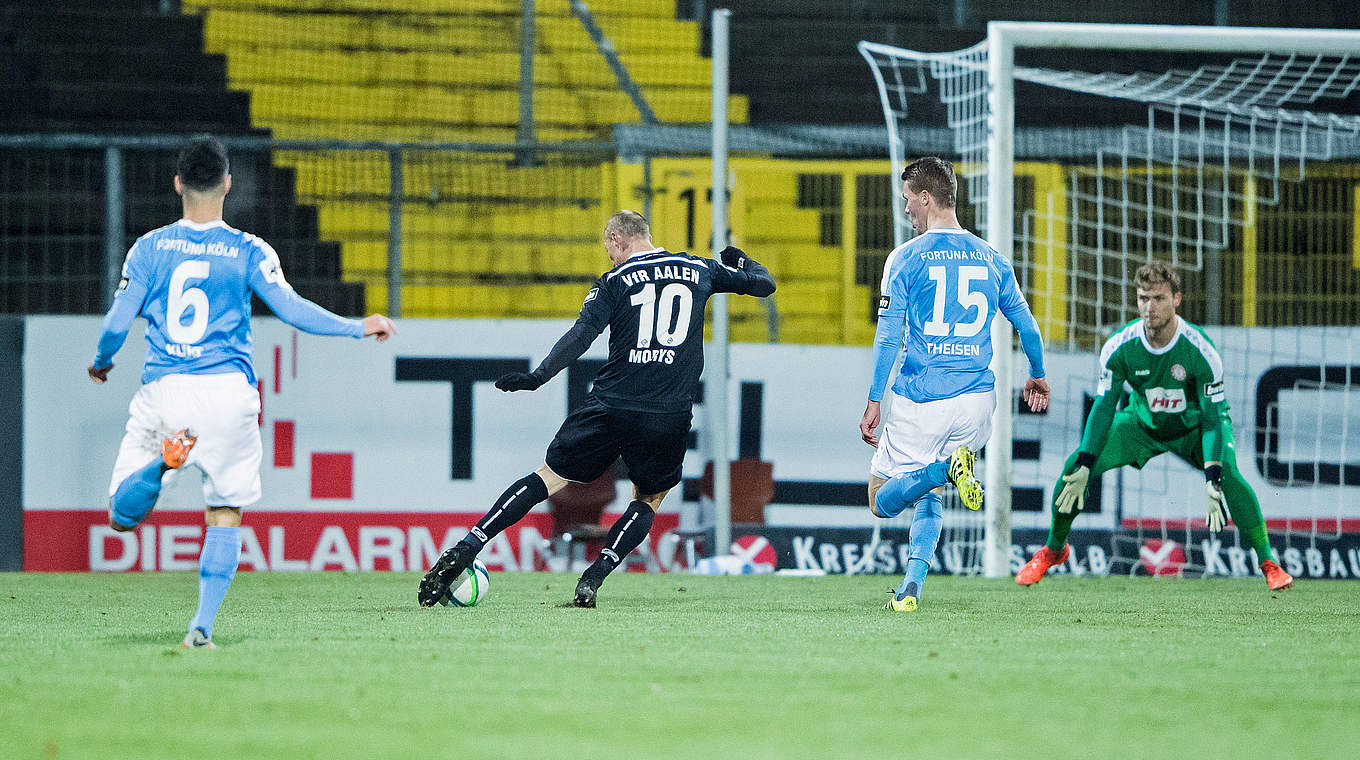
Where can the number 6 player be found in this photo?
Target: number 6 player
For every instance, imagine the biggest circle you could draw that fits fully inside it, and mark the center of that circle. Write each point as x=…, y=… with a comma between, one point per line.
x=652, y=301
x=198, y=402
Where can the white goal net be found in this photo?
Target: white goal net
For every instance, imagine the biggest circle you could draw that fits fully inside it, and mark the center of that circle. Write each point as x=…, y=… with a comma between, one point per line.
x=1234, y=155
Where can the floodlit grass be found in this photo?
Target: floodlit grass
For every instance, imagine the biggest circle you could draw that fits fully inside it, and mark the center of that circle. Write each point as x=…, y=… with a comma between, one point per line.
x=336, y=665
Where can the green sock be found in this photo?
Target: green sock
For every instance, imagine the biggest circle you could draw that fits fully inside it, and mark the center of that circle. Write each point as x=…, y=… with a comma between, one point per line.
x=1061, y=524
x=1245, y=509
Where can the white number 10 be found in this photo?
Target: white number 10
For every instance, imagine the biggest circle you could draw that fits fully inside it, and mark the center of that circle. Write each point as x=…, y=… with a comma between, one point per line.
x=676, y=302
x=968, y=299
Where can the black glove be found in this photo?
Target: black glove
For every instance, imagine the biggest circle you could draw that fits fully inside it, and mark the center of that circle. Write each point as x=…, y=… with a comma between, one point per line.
x=733, y=257
x=519, y=381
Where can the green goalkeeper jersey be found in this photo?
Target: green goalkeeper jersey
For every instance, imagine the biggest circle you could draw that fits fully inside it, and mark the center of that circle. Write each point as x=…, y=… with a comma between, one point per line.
x=1176, y=389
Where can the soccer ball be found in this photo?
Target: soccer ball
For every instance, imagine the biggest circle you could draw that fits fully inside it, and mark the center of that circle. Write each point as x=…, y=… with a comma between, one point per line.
x=470, y=588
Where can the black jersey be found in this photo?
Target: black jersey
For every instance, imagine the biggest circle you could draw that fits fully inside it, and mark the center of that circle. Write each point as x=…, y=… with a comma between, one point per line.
x=653, y=304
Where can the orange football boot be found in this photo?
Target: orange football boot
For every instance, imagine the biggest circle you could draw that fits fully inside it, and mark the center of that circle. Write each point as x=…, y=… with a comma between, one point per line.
x=1276, y=577
x=1034, y=570
x=176, y=448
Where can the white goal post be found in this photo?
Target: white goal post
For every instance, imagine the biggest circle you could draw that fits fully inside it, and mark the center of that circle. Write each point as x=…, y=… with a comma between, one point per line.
x=977, y=87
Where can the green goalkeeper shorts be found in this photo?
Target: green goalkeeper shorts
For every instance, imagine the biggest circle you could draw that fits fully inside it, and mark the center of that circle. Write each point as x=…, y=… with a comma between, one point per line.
x=1129, y=443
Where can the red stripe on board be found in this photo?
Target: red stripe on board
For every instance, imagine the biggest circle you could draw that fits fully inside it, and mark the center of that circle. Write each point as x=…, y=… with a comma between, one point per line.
x=79, y=540
x=1291, y=524
x=259, y=387
x=278, y=368
x=283, y=443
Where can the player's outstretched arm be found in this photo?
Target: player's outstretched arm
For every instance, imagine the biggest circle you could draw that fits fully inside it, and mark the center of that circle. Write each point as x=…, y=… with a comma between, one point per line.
x=567, y=350
x=379, y=326
x=306, y=316
x=745, y=275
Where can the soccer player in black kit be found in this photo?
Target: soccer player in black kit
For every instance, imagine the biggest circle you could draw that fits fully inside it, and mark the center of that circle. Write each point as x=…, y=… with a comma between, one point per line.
x=640, y=408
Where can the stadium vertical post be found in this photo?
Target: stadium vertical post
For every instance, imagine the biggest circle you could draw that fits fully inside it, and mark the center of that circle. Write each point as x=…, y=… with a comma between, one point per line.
x=396, y=187
x=525, y=138
x=1000, y=220
x=715, y=395
x=113, y=221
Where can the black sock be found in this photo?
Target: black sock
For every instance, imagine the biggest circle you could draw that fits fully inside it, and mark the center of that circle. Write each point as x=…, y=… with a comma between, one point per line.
x=625, y=535
x=510, y=508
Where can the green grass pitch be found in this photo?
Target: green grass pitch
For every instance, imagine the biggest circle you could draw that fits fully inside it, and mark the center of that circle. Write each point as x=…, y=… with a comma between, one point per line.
x=332, y=665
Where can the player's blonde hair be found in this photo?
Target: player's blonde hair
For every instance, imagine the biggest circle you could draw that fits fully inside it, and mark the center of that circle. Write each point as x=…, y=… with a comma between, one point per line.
x=629, y=224
x=1157, y=272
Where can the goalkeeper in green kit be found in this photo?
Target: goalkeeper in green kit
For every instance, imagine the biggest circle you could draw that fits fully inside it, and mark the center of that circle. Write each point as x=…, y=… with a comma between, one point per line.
x=1177, y=405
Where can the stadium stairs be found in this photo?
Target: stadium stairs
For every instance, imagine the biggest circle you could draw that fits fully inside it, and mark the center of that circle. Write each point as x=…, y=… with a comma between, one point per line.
x=120, y=67
x=481, y=238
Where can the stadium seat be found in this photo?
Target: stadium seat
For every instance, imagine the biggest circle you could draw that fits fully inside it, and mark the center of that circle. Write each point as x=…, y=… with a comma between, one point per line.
x=577, y=512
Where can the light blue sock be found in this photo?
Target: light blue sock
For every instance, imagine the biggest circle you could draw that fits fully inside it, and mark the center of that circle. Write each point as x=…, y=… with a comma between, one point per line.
x=137, y=494
x=926, y=524
x=216, y=567
x=903, y=490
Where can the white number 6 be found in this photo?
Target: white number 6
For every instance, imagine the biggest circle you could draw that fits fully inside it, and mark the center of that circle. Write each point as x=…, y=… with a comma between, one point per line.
x=182, y=298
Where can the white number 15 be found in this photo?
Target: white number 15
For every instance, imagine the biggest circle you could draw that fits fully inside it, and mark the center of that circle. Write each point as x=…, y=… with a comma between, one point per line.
x=968, y=299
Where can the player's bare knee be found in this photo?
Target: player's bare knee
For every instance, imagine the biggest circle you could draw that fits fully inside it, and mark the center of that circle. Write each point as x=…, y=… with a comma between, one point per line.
x=222, y=517
x=875, y=483
x=551, y=480
x=652, y=500
x=120, y=528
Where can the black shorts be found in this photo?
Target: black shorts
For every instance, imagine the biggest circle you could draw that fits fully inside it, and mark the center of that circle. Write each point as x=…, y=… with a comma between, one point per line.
x=593, y=436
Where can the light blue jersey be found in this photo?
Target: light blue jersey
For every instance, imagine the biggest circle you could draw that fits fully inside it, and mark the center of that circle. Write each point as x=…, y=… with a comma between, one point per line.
x=940, y=292
x=192, y=282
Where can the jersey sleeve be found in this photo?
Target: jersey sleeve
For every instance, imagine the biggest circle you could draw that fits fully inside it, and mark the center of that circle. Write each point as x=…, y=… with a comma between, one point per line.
x=1012, y=303
x=1213, y=400
x=750, y=278
x=892, y=321
x=1108, y=388
x=268, y=282
x=127, y=304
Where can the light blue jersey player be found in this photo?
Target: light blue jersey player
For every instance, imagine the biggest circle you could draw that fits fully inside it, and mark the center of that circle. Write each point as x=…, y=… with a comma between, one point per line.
x=940, y=292
x=192, y=281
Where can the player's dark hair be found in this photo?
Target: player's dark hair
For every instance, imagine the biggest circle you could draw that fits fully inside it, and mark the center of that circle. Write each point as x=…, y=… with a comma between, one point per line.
x=934, y=175
x=629, y=224
x=1156, y=272
x=202, y=163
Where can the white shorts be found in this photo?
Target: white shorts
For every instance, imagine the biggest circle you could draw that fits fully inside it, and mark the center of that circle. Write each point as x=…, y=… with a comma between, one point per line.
x=915, y=435
x=222, y=410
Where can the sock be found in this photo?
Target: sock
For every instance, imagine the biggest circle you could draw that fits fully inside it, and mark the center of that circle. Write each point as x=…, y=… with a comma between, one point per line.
x=1245, y=509
x=903, y=490
x=137, y=494
x=926, y=524
x=625, y=535
x=1061, y=524
x=510, y=508
x=216, y=567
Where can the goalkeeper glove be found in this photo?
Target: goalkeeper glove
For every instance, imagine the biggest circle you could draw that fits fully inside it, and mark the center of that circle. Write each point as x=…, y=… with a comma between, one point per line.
x=733, y=257
x=519, y=381
x=1072, y=498
x=1218, y=508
